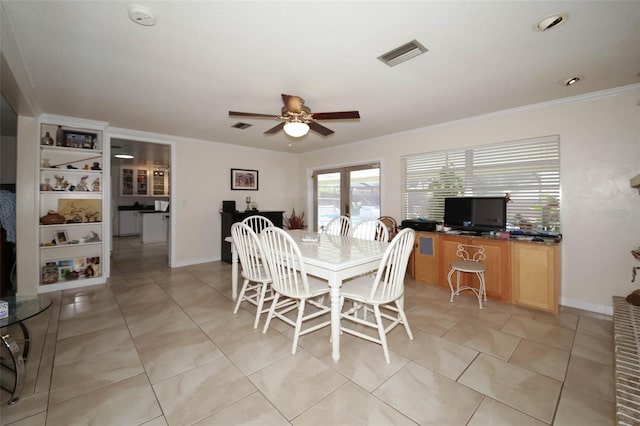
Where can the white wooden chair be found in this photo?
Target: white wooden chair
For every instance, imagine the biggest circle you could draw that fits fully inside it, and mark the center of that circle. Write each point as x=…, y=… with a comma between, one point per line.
x=257, y=279
x=470, y=256
x=341, y=225
x=257, y=223
x=372, y=230
x=385, y=293
x=290, y=281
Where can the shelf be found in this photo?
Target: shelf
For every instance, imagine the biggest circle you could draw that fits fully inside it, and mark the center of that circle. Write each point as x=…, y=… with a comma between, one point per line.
x=69, y=284
x=68, y=149
x=77, y=163
x=70, y=245
x=70, y=224
x=70, y=192
x=57, y=169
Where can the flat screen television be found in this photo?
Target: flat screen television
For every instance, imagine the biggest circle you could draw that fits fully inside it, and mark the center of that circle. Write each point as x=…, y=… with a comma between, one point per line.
x=476, y=213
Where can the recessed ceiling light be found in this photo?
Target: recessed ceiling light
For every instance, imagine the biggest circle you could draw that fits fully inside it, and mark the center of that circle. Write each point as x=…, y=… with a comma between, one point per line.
x=551, y=21
x=124, y=156
x=141, y=15
x=571, y=80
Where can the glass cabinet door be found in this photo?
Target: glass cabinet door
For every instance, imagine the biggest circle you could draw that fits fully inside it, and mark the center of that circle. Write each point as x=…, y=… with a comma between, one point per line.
x=143, y=187
x=127, y=182
x=159, y=179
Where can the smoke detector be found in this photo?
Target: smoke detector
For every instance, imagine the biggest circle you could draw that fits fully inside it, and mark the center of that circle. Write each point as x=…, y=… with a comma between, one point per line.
x=141, y=15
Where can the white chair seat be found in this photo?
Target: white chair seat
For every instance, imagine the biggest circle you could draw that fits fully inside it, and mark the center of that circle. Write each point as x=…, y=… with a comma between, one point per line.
x=359, y=289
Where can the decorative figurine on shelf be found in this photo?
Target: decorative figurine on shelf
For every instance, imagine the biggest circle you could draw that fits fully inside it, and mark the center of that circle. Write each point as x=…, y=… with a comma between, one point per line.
x=47, y=140
x=248, y=200
x=96, y=166
x=61, y=183
x=85, y=167
x=92, y=237
x=46, y=186
x=82, y=185
x=95, y=185
x=70, y=167
x=46, y=163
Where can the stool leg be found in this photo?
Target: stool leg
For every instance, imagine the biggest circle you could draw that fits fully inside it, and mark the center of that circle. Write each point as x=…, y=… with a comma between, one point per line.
x=450, y=285
x=481, y=290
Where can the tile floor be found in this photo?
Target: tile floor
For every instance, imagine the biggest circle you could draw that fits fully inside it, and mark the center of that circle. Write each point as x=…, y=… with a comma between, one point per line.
x=157, y=346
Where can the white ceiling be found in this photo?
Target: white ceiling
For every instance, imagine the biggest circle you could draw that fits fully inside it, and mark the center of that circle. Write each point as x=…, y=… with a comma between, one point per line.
x=201, y=59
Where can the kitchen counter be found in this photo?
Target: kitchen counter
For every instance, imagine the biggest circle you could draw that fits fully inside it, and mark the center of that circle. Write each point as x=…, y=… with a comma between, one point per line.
x=155, y=226
x=136, y=208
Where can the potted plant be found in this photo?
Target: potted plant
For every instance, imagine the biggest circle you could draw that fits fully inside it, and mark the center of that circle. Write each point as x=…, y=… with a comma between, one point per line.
x=295, y=221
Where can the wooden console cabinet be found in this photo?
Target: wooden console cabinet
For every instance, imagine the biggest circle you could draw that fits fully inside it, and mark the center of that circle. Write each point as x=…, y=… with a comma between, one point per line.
x=229, y=218
x=425, y=258
x=519, y=272
x=535, y=274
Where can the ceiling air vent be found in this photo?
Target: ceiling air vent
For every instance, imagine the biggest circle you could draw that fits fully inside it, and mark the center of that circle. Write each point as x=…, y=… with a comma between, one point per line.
x=241, y=125
x=403, y=53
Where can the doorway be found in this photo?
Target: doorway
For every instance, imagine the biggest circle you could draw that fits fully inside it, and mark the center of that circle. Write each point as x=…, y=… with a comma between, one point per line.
x=141, y=193
x=352, y=191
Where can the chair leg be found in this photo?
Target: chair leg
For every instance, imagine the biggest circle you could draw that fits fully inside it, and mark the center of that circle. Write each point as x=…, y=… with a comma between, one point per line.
x=381, y=333
x=272, y=311
x=403, y=316
x=263, y=292
x=241, y=296
x=296, y=333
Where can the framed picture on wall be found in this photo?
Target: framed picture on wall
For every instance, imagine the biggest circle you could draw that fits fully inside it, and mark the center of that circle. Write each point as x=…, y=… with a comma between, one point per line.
x=244, y=180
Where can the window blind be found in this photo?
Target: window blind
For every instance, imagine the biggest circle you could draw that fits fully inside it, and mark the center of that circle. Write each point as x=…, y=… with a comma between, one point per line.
x=528, y=170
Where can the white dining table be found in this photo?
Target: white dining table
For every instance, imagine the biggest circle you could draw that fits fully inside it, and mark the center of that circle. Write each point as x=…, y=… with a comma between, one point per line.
x=333, y=258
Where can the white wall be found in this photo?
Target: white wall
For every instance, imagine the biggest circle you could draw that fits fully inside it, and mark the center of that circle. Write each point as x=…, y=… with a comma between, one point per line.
x=600, y=152
x=201, y=176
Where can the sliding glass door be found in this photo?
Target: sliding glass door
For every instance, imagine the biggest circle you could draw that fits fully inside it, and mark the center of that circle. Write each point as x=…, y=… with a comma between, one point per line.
x=350, y=191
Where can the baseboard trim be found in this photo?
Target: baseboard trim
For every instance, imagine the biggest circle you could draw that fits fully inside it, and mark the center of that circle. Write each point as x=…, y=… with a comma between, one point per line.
x=587, y=306
x=190, y=262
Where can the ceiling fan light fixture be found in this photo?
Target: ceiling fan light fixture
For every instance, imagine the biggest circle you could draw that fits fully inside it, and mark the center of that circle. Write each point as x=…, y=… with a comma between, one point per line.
x=296, y=129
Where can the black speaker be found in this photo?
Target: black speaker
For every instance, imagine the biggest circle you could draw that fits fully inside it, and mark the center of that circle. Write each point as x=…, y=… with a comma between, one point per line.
x=229, y=206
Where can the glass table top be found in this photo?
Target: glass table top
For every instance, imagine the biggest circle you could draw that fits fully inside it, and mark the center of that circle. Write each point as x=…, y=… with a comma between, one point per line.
x=23, y=307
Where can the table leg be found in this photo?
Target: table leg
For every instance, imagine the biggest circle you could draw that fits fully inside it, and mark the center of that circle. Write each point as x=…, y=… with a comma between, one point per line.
x=335, y=318
x=27, y=339
x=234, y=272
x=18, y=367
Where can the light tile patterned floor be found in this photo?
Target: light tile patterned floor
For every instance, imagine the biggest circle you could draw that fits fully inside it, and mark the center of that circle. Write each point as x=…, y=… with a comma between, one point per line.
x=157, y=346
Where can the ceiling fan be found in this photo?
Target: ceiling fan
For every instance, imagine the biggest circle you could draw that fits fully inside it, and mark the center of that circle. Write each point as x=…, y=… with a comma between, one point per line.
x=297, y=118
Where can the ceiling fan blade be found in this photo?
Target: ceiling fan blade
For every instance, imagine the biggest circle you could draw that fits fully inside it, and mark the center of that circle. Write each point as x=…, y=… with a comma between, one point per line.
x=275, y=129
x=316, y=127
x=335, y=115
x=250, y=114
